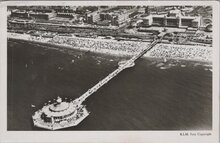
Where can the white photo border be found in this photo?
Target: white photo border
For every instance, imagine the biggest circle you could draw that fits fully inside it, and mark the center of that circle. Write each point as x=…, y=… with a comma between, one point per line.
x=107, y=136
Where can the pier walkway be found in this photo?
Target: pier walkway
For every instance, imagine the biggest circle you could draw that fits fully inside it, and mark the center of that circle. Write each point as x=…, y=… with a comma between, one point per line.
x=129, y=63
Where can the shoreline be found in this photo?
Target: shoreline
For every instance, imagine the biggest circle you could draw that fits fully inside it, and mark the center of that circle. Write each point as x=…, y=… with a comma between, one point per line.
x=160, y=51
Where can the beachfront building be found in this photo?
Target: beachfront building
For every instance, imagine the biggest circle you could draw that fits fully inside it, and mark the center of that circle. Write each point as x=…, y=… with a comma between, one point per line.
x=92, y=17
x=119, y=18
x=65, y=15
x=147, y=21
x=41, y=15
x=173, y=18
x=96, y=17
x=19, y=13
x=33, y=13
x=40, y=9
x=118, y=15
x=65, y=11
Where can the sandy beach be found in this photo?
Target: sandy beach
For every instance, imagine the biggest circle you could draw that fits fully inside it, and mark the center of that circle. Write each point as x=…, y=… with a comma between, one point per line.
x=123, y=48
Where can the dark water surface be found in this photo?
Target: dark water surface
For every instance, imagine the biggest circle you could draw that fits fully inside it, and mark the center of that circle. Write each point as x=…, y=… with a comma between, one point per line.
x=144, y=97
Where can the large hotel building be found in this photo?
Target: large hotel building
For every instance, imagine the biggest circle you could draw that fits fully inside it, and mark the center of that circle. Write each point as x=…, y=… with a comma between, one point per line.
x=111, y=16
x=173, y=18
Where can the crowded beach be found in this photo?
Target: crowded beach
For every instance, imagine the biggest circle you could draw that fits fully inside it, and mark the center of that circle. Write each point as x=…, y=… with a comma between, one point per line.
x=124, y=48
x=186, y=52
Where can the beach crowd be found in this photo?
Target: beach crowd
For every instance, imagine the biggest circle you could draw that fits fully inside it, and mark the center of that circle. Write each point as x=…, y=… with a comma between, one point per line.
x=100, y=45
x=130, y=48
x=182, y=52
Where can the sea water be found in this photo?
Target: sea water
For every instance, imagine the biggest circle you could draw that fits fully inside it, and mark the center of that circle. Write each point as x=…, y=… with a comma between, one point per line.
x=152, y=95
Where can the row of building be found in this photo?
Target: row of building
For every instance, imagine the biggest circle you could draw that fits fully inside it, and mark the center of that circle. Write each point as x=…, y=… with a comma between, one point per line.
x=104, y=16
x=44, y=15
x=111, y=15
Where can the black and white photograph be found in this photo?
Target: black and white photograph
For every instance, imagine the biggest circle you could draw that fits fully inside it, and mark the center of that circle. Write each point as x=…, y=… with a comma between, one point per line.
x=119, y=67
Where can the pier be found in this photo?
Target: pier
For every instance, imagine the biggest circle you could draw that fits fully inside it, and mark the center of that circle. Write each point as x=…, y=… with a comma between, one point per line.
x=127, y=64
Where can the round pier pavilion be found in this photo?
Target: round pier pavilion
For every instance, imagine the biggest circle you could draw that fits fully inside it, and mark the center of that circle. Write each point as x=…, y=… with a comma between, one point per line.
x=58, y=115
